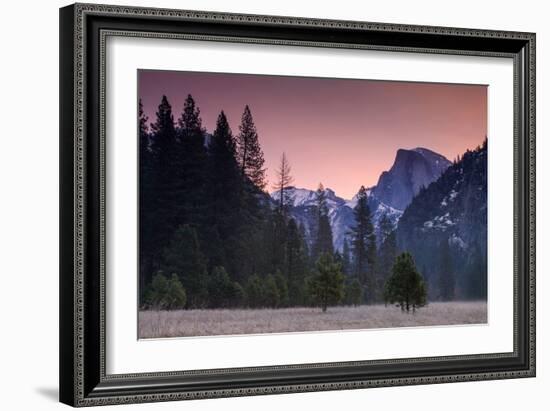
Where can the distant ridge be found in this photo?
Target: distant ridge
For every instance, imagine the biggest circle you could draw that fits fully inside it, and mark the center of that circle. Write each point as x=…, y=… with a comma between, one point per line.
x=411, y=170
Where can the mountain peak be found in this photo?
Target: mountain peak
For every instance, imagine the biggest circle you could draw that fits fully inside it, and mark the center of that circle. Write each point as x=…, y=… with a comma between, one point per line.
x=411, y=170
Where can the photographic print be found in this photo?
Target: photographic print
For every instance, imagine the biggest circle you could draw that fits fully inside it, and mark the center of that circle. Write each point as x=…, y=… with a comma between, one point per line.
x=275, y=204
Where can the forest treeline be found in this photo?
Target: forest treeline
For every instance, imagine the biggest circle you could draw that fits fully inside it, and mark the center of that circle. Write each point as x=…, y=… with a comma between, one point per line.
x=211, y=237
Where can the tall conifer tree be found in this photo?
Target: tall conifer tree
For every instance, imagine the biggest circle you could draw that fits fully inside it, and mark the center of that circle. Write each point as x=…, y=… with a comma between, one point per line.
x=160, y=194
x=191, y=164
x=323, y=241
x=282, y=182
x=326, y=285
x=296, y=263
x=223, y=182
x=250, y=154
x=146, y=203
x=346, y=258
x=163, y=137
x=364, y=245
x=387, y=252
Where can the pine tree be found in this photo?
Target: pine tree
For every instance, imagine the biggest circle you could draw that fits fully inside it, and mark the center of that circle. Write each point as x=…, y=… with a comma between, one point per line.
x=323, y=242
x=157, y=191
x=346, y=258
x=184, y=257
x=387, y=251
x=278, y=243
x=363, y=242
x=164, y=293
x=250, y=154
x=385, y=227
x=293, y=249
x=163, y=137
x=190, y=123
x=446, y=278
x=406, y=287
x=297, y=262
x=223, y=218
x=191, y=165
x=146, y=202
x=282, y=182
x=156, y=293
x=326, y=286
x=143, y=129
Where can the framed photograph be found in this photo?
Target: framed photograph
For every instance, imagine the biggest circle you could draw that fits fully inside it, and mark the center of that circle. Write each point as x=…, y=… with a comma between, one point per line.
x=260, y=204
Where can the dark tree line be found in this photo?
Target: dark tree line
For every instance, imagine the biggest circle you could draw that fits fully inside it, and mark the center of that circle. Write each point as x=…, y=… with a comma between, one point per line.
x=208, y=228
x=377, y=270
x=211, y=237
x=200, y=208
x=367, y=259
x=445, y=229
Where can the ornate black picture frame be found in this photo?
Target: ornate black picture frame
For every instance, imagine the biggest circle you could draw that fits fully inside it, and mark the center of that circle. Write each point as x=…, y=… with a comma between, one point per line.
x=83, y=31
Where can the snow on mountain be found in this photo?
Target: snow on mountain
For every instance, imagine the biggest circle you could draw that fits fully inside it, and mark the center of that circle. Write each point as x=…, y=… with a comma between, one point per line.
x=302, y=197
x=303, y=204
x=353, y=202
x=396, y=188
x=451, y=211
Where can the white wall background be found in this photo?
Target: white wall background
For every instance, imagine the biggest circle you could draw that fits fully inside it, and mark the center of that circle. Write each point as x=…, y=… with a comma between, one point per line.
x=29, y=204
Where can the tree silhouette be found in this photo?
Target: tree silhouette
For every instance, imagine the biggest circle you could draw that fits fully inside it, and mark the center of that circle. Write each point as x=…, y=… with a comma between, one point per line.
x=405, y=287
x=323, y=242
x=283, y=181
x=326, y=286
x=250, y=154
x=363, y=242
x=191, y=165
x=387, y=251
x=346, y=258
x=157, y=188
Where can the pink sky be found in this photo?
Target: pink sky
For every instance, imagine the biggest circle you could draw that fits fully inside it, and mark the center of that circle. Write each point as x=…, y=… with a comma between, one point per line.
x=340, y=132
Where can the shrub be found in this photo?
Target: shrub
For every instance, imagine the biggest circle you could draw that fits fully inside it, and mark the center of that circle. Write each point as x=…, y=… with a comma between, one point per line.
x=165, y=294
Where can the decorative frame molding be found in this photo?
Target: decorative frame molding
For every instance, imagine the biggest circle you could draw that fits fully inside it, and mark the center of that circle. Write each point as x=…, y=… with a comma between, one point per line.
x=83, y=32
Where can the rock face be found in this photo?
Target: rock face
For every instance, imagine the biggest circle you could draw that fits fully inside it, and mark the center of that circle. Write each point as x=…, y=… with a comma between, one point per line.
x=411, y=170
x=450, y=216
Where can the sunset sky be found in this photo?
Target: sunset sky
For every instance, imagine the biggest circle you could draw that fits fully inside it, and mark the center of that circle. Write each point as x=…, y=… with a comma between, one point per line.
x=340, y=132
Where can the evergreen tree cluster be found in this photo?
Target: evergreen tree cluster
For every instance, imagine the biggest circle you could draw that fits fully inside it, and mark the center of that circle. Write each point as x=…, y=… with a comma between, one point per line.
x=367, y=258
x=211, y=237
x=208, y=228
x=445, y=229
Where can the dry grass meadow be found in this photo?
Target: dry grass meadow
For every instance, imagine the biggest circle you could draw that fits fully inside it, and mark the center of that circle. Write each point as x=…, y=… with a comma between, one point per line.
x=186, y=323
